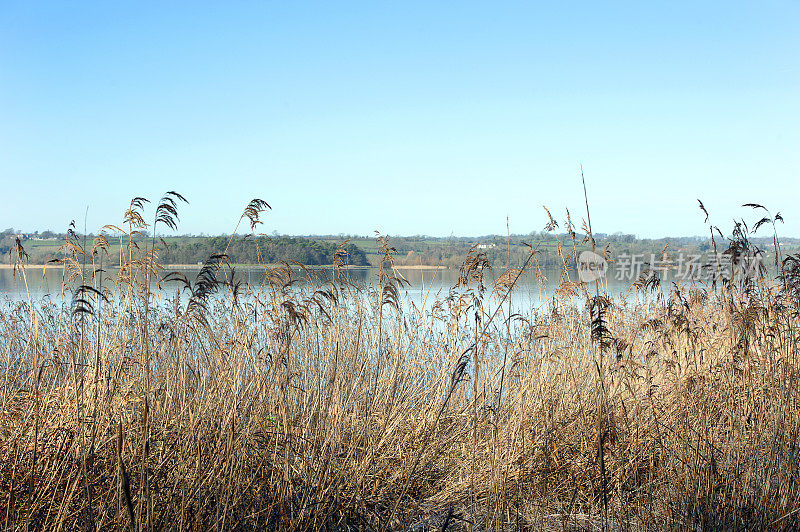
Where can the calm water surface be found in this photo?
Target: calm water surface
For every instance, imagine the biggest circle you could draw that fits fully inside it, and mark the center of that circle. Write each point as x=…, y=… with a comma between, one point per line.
x=425, y=285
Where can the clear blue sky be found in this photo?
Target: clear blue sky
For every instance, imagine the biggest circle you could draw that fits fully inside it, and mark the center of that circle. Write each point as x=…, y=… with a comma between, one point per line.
x=411, y=118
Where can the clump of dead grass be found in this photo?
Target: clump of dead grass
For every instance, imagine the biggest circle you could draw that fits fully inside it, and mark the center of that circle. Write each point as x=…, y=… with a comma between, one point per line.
x=328, y=405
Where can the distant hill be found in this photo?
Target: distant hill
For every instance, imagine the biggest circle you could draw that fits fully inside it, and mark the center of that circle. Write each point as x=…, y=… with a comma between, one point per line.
x=447, y=252
x=196, y=249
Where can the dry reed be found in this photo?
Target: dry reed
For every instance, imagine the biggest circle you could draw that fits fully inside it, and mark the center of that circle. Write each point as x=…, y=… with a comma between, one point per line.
x=328, y=406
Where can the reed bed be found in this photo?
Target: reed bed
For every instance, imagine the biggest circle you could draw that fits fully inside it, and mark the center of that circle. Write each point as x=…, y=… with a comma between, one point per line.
x=331, y=406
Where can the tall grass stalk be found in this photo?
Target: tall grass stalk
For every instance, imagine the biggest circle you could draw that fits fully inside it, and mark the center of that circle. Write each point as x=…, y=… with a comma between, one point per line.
x=329, y=405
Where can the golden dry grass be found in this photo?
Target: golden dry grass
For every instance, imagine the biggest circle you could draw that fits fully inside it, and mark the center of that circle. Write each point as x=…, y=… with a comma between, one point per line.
x=327, y=407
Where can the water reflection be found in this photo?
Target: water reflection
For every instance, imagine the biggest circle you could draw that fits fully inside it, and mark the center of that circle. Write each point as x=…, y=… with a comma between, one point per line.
x=425, y=285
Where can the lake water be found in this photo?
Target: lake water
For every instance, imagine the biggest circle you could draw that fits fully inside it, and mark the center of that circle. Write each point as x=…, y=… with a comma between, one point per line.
x=425, y=285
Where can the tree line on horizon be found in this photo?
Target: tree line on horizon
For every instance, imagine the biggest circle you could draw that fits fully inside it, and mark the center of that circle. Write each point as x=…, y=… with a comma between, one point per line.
x=246, y=250
x=194, y=250
x=312, y=250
